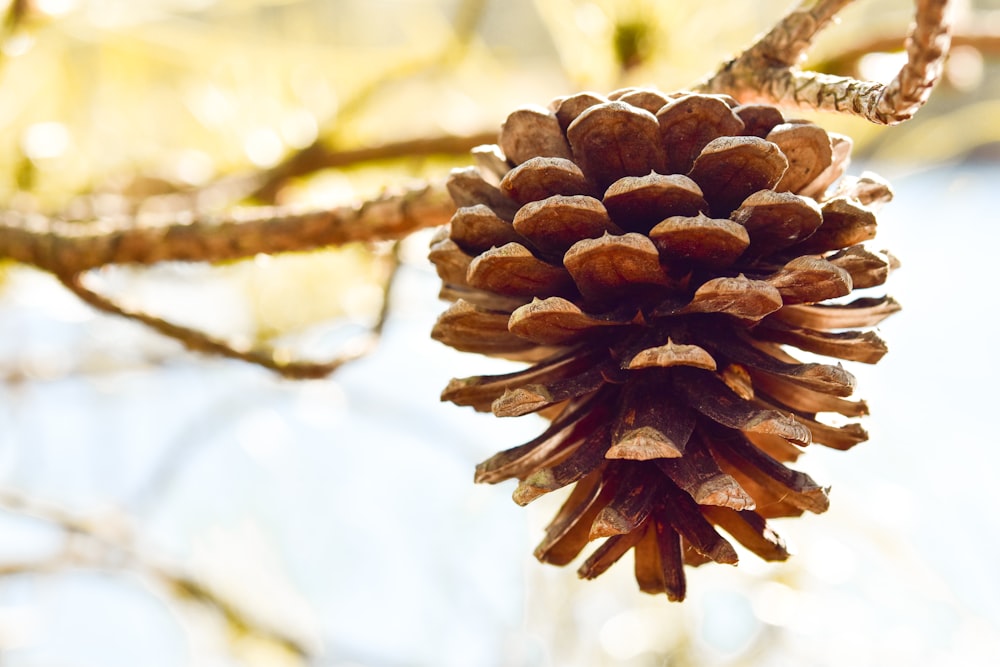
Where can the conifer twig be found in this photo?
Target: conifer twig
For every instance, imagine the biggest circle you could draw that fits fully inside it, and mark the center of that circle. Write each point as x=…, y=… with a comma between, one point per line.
x=321, y=156
x=277, y=360
x=68, y=248
x=768, y=70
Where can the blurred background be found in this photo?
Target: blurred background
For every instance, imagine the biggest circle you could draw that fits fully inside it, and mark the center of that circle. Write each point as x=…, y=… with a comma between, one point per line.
x=159, y=507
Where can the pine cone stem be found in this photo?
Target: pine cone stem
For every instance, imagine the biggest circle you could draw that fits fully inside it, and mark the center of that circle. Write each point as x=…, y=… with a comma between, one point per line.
x=789, y=40
x=767, y=71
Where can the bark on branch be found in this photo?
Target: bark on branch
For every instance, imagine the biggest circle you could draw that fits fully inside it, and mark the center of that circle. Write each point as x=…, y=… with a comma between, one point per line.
x=768, y=71
x=68, y=248
x=319, y=156
x=278, y=360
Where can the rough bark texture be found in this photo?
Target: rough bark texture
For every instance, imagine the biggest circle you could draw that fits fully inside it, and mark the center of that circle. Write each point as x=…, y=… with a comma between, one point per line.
x=66, y=248
x=767, y=71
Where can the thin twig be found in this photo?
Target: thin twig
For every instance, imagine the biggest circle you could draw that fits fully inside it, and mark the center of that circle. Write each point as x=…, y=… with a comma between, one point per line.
x=393, y=263
x=196, y=340
x=68, y=248
x=767, y=70
x=321, y=156
x=50, y=565
x=185, y=587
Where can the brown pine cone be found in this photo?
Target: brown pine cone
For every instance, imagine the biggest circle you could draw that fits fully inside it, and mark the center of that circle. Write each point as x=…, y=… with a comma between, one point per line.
x=653, y=256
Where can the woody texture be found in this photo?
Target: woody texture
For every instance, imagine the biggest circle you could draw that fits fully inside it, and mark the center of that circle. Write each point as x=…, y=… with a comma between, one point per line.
x=660, y=261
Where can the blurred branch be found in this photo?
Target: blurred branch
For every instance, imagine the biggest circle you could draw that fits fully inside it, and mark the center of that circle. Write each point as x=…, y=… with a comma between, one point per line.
x=68, y=248
x=320, y=156
x=468, y=16
x=277, y=360
x=981, y=31
x=105, y=543
x=26, y=368
x=767, y=71
x=14, y=17
x=190, y=589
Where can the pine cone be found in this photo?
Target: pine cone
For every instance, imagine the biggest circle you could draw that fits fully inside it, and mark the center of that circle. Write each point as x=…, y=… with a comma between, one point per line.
x=653, y=256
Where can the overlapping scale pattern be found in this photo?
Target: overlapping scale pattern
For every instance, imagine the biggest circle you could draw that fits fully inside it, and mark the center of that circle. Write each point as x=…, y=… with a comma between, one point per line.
x=654, y=257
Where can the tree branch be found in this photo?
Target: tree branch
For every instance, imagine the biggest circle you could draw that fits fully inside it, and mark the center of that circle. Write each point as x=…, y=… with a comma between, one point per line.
x=789, y=40
x=68, y=248
x=277, y=360
x=767, y=70
x=109, y=547
x=320, y=156
x=926, y=48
